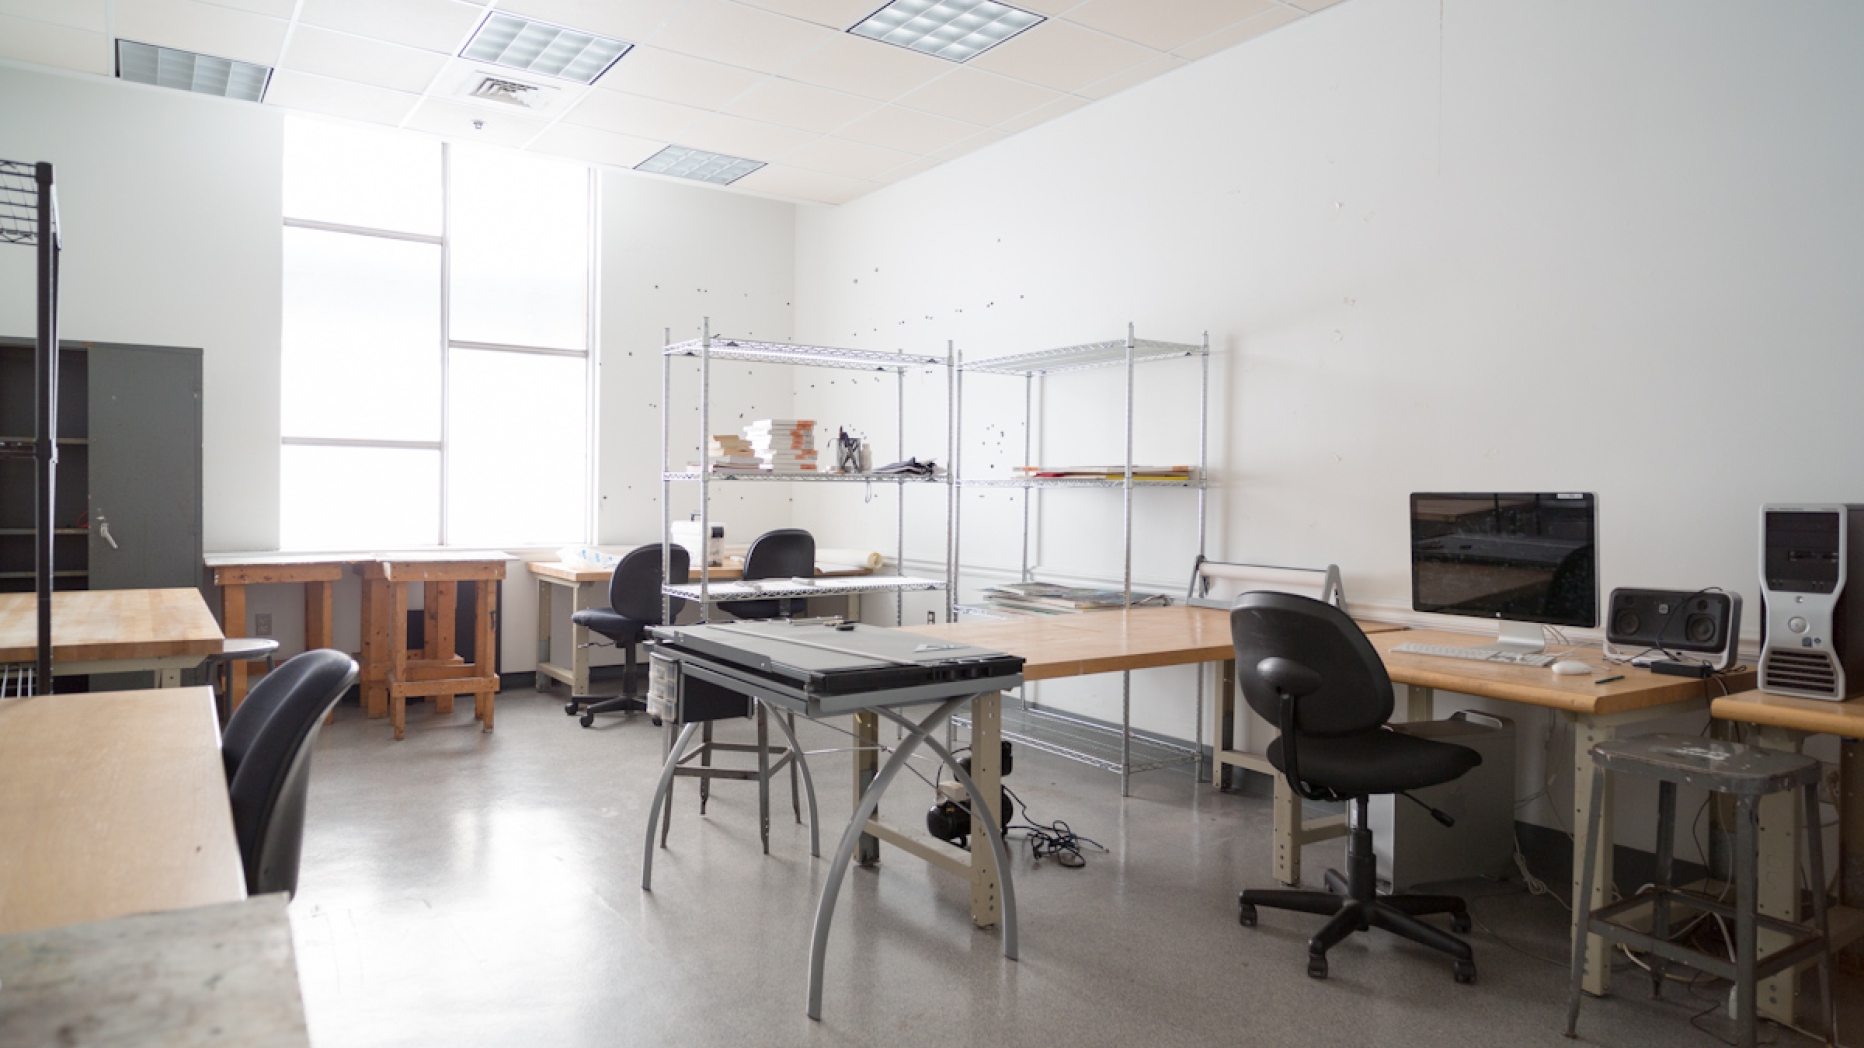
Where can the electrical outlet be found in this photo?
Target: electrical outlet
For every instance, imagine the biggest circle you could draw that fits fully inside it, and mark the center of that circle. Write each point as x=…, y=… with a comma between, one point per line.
x=262, y=624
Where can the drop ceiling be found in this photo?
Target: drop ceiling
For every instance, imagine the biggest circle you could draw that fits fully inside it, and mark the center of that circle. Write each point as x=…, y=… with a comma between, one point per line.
x=830, y=114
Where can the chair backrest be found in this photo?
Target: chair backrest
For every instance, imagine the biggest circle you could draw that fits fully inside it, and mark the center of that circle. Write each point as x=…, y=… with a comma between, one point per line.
x=785, y=553
x=1354, y=693
x=267, y=748
x=634, y=588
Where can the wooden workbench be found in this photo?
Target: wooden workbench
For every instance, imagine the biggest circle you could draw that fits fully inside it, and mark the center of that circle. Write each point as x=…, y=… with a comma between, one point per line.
x=317, y=573
x=112, y=631
x=390, y=674
x=112, y=803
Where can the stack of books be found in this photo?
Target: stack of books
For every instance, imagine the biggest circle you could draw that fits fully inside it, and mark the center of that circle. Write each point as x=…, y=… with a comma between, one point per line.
x=783, y=445
x=1049, y=598
x=731, y=453
x=1107, y=472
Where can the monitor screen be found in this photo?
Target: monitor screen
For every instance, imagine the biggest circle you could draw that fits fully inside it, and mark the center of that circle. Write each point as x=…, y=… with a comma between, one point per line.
x=1525, y=557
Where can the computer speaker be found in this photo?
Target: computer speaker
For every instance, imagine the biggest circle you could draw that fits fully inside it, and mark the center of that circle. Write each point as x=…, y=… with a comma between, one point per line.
x=1702, y=622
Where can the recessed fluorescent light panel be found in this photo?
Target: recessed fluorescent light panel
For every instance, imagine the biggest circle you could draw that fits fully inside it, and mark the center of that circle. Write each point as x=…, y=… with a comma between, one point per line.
x=958, y=30
x=519, y=43
x=187, y=71
x=682, y=162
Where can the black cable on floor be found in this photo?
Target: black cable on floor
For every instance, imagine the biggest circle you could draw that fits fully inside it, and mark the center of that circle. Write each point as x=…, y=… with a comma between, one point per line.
x=1053, y=839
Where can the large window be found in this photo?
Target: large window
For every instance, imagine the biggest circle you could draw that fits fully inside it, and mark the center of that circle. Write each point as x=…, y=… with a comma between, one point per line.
x=436, y=343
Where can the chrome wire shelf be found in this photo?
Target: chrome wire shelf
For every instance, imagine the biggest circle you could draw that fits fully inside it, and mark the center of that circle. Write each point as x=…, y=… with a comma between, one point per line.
x=806, y=476
x=793, y=353
x=1074, y=482
x=1083, y=740
x=768, y=589
x=1082, y=357
x=19, y=203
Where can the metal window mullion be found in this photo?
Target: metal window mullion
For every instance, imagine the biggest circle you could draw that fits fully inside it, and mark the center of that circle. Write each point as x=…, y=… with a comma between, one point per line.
x=504, y=347
x=360, y=442
x=446, y=326
x=368, y=231
x=591, y=371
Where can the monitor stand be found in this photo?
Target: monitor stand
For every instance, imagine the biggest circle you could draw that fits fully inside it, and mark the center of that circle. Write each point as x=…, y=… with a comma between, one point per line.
x=1526, y=638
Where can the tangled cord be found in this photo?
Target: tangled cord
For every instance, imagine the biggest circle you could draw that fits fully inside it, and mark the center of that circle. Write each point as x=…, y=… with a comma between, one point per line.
x=1053, y=839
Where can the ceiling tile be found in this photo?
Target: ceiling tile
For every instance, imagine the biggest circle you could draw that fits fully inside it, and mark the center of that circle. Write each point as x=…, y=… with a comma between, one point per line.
x=432, y=25
x=1050, y=8
x=202, y=28
x=795, y=183
x=634, y=115
x=865, y=67
x=1139, y=74
x=673, y=77
x=1042, y=114
x=739, y=35
x=630, y=20
x=347, y=57
x=736, y=136
x=1236, y=34
x=270, y=8
x=839, y=156
x=792, y=104
x=835, y=14
x=1165, y=24
x=352, y=101
x=971, y=145
x=43, y=43
x=977, y=97
x=907, y=130
x=906, y=171
x=594, y=146
x=1313, y=5
x=455, y=120
x=73, y=14
x=1061, y=55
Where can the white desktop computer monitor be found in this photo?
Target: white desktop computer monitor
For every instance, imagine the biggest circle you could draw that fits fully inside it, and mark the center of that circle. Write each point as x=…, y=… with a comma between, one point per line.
x=1522, y=559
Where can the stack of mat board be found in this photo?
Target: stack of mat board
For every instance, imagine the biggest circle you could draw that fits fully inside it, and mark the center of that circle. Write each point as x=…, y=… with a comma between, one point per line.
x=783, y=445
x=732, y=453
x=1107, y=472
x=1049, y=598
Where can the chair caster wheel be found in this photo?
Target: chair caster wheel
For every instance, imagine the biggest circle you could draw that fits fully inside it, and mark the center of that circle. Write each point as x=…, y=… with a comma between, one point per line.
x=1246, y=914
x=1460, y=923
x=1465, y=972
x=587, y=720
x=571, y=709
x=1316, y=966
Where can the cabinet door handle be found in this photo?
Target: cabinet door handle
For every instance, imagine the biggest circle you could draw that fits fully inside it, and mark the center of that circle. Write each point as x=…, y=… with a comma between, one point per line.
x=103, y=528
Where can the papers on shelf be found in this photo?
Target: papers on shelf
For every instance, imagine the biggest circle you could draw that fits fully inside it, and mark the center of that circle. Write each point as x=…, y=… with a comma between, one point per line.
x=1108, y=472
x=1049, y=598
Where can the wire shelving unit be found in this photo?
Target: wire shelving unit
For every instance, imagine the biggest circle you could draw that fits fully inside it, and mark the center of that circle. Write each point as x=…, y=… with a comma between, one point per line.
x=707, y=348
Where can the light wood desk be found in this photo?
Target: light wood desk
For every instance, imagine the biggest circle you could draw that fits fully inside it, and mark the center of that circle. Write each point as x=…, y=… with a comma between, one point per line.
x=219, y=974
x=1784, y=723
x=114, y=631
x=112, y=803
x=1597, y=711
x=587, y=590
x=316, y=572
x=389, y=673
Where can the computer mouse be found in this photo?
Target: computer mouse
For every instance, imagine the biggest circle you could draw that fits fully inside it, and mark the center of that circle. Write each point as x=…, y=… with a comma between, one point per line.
x=1571, y=668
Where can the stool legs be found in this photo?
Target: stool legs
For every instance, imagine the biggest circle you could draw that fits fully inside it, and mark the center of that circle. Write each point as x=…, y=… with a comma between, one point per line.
x=1747, y=884
x=1666, y=849
x=1815, y=864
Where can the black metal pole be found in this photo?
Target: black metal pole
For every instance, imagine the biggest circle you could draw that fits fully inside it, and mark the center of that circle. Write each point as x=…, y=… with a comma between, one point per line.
x=46, y=449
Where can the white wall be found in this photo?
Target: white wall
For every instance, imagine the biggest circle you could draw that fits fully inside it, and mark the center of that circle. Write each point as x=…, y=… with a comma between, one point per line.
x=170, y=209
x=1470, y=245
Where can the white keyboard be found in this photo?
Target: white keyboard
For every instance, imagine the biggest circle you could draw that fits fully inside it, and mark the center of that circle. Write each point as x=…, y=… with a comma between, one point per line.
x=1444, y=651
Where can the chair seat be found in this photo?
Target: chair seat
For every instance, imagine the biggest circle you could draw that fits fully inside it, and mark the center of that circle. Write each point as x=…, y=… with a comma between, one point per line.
x=1377, y=762
x=616, y=627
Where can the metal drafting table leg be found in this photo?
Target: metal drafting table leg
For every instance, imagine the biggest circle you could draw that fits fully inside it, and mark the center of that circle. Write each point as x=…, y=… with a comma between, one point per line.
x=546, y=599
x=1126, y=728
x=844, y=852
x=763, y=775
x=659, y=804
x=866, y=764
x=796, y=761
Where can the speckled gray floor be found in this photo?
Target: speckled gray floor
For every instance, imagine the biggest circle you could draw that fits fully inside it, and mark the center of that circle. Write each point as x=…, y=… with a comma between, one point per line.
x=463, y=889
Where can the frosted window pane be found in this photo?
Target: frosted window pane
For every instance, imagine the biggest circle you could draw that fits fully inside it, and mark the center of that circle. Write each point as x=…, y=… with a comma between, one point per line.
x=358, y=498
x=361, y=337
x=362, y=177
x=520, y=237
x=515, y=468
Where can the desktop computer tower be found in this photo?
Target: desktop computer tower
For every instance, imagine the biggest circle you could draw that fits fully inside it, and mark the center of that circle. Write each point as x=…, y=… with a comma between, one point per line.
x=1812, y=611
x=1414, y=848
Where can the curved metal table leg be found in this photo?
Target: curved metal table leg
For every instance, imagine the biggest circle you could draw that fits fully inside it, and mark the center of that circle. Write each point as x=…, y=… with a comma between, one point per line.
x=870, y=800
x=999, y=848
x=660, y=796
x=789, y=734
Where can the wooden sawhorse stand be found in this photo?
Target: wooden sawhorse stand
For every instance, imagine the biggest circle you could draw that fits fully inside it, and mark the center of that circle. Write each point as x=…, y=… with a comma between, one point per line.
x=390, y=673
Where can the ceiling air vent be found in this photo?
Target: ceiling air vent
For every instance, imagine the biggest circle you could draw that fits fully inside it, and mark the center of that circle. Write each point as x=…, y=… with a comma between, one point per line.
x=496, y=89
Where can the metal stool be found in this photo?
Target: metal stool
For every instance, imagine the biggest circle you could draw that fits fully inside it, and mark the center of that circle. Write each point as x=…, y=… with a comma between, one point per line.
x=1747, y=775
x=236, y=649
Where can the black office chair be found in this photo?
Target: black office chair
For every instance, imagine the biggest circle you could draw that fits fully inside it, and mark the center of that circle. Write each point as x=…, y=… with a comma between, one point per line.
x=787, y=553
x=1308, y=669
x=267, y=749
x=633, y=606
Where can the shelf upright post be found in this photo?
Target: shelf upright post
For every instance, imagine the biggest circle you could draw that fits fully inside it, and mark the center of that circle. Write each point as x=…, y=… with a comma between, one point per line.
x=953, y=515
x=899, y=491
x=666, y=486
x=1029, y=401
x=1203, y=465
x=46, y=451
x=1126, y=531
x=705, y=471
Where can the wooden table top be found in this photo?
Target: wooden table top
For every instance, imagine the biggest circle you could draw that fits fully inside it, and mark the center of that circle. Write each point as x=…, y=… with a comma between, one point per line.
x=90, y=625
x=1540, y=686
x=112, y=803
x=1102, y=641
x=435, y=566
x=221, y=974
x=1784, y=711
x=731, y=572
x=252, y=569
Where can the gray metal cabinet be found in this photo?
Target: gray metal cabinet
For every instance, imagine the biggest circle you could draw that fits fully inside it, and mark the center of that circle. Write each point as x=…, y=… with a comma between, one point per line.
x=145, y=467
